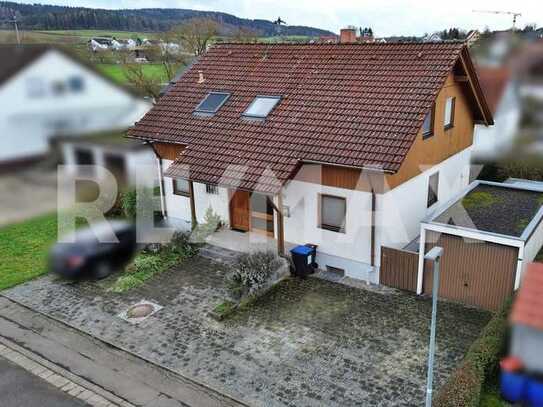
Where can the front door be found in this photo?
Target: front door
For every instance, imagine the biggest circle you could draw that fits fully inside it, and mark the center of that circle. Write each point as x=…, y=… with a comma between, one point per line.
x=240, y=210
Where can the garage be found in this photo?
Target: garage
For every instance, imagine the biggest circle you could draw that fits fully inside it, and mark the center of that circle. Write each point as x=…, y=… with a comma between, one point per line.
x=489, y=234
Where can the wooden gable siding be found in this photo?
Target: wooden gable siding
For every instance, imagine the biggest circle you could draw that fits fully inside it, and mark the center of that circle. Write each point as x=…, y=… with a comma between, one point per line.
x=425, y=153
x=340, y=177
x=168, y=151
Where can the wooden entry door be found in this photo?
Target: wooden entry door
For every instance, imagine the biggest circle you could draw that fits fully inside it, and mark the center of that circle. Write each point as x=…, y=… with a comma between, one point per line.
x=240, y=210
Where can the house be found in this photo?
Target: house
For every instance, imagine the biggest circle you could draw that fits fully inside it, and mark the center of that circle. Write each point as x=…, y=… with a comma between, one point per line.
x=489, y=233
x=111, y=150
x=527, y=65
x=97, y=44
x=47, y=92
x=347, y=146
x=502, y=94
x=527, y=321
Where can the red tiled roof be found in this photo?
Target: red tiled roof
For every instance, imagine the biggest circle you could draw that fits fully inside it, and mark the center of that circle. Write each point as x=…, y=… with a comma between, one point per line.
x=528, y=306
x=493, y=82
x=358, y=105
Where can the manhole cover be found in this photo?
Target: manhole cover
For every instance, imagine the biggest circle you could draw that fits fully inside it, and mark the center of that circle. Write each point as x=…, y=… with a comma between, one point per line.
x=140, y=311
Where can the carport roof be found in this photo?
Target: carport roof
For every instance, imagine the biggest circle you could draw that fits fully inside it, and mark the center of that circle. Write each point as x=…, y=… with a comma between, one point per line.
x=489, y=207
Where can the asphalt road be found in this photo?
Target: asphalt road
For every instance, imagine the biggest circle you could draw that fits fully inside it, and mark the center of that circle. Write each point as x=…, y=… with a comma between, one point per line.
x=19, y=388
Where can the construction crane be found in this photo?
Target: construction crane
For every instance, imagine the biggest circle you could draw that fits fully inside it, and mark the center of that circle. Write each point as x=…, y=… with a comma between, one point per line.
x=510, y=13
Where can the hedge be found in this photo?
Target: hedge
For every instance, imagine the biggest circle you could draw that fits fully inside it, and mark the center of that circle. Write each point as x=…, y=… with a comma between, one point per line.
x=464, y=386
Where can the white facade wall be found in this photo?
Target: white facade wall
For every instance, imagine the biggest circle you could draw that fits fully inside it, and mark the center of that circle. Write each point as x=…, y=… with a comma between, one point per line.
x=400, y=211
x=493, y=141
x=526, y=343
x=398, y=216
x=33, y=112
x=178, y=206
x=351, y=250
x=533, y=245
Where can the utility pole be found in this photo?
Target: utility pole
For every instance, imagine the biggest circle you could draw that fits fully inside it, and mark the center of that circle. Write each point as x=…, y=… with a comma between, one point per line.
x=434, y=255
x=16, y=30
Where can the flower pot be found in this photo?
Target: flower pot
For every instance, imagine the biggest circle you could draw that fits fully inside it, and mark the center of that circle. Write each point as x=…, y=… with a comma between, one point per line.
x=512, y=386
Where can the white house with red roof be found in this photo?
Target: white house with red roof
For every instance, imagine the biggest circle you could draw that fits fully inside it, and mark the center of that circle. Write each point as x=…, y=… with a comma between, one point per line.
x=347, y=146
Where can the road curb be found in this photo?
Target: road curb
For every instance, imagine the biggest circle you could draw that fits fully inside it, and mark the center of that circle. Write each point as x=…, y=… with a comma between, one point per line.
x=59, y=377
x=225, y=399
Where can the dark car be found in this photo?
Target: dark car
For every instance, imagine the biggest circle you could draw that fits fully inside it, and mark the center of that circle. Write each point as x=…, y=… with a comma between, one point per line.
x=87, y=255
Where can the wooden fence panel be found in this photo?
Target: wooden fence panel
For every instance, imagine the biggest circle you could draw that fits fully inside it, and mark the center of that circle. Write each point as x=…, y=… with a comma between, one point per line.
x=399, y=268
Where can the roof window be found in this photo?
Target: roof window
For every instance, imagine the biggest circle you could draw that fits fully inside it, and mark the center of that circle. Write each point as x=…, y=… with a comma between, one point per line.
x=212, y=102
x=261, y=106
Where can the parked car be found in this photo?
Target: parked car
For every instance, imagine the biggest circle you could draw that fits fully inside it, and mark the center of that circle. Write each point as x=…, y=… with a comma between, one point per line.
x=88, y=256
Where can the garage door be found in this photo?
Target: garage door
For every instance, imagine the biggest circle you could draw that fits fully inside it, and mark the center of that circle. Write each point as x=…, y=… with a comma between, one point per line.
x=472, y=271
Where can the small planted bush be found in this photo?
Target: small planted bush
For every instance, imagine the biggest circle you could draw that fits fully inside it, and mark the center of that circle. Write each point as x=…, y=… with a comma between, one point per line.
x=151, y=262
x=253, y=272
x=212, y=223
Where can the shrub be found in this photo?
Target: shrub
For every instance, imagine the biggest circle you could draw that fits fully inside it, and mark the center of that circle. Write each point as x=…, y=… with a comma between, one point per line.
x=182, y=245
x=252, y=272
x=480, y=363
x=212, y=222
x=129, y=203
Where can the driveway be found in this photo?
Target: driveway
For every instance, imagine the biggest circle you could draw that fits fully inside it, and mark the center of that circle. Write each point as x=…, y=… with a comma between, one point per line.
x=26, y=194
x=309, y=342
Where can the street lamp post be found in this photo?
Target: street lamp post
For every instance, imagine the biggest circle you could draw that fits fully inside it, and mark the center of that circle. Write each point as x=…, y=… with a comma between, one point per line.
x=434, y=255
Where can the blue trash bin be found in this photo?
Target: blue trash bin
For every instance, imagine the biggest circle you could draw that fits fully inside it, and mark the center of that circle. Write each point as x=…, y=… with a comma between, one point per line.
x=302, y=257
x=534, y=392
x=512, y=386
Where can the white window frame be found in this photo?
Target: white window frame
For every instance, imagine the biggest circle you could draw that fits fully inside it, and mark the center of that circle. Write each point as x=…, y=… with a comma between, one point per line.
x=255, y=100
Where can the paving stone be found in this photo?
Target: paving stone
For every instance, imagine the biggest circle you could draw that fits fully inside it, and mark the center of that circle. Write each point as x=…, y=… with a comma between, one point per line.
x=307, y=342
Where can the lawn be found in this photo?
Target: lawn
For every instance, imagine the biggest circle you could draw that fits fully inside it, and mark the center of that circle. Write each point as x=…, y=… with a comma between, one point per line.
x=116, y=72
x=24, y=249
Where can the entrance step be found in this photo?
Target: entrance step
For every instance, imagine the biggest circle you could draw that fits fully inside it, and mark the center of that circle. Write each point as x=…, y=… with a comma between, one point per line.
x=219, y=254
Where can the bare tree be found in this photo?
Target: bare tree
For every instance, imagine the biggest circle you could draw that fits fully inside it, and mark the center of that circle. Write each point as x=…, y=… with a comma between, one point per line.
x=246, y=35
x=195, y=34
x=145, y=83
x=170, y=60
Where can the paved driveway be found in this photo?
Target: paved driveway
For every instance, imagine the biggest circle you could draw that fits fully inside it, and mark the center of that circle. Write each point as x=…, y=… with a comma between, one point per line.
x=309, y=342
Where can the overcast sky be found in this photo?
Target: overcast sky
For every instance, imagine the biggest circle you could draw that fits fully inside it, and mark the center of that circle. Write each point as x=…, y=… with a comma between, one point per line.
x=386, y=17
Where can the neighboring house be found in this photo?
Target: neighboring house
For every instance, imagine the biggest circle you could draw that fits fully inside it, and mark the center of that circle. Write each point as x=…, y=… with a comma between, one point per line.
x=97, y=44
x=502, y=95
x=527, y=65
x=347, y=146
x=489, y=233
x=435, y=37
x=46, y=93
x=121, y=156
x=527, y=321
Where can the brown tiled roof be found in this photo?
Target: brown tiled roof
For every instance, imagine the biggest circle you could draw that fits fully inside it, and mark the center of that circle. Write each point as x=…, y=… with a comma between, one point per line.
x=528, y=307
x=358, y=105
x=493, y=82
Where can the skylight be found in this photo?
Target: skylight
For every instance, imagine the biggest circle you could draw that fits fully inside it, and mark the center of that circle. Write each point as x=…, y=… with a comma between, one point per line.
x=261, y=106
x=212, y=102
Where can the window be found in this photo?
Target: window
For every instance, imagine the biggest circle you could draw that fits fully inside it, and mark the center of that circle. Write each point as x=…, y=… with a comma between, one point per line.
x=433, y=186
x=181, y=187
x=332, y=213
x=261, y=106
x=212, y=189
x=428, y=125
x=76, y=84
x=212, y=102
x=449, y=112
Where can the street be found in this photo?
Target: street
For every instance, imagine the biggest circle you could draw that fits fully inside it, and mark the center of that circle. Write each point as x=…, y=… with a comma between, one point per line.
x=20, y=388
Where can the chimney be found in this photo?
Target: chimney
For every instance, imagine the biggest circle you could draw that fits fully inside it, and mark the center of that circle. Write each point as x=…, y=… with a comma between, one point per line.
x=347, y=35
